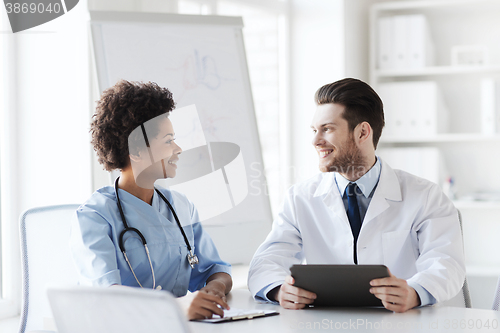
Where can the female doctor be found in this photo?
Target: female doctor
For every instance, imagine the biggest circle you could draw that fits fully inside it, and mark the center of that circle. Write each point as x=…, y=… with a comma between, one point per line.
x=136, y=234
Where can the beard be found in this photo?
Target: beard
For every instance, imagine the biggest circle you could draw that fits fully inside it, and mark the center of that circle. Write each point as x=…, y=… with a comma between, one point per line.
x=347, y=160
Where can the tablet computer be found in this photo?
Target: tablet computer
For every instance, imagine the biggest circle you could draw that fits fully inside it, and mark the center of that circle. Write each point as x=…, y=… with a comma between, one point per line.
x=339, y=285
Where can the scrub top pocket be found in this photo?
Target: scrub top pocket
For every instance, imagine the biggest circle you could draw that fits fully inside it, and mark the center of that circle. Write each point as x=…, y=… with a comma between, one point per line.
x=167, y=265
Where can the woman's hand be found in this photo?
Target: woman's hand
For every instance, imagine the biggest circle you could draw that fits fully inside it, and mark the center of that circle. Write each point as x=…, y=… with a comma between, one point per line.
x=210, y=299
x=216, y=288
x=205, y=304
x=223, y=280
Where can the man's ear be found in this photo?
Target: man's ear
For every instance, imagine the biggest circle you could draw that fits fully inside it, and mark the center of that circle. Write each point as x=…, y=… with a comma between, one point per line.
x=363, y=132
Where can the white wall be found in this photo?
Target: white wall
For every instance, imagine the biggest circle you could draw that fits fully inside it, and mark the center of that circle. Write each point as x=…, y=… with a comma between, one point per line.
x=52, y=109
x=357, y=38
x=316, y=57
x=50, y=99
x=329, y=40
x=8, y=158
x=46, y=156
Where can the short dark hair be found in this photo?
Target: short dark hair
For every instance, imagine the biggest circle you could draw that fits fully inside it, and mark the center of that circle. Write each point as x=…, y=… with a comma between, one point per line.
x=361, y=103
x=120, y=110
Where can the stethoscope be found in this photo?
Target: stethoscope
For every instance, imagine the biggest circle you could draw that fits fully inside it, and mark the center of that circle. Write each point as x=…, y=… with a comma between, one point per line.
x=191, y=257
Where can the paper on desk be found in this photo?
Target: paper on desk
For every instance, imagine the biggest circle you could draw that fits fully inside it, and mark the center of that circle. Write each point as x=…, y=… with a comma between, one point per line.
x=238, y=314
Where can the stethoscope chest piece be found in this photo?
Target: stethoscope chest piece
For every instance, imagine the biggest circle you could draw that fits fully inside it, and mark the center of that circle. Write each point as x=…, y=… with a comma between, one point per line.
x=192, y=259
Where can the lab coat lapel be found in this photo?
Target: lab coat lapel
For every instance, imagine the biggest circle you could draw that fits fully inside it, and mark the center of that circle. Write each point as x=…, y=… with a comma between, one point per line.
x=331, y=196
x=388, y=188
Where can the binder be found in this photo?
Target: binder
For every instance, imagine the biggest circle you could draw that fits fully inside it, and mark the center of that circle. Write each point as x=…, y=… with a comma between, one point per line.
x=385, y=57
x=400, y=41
x=429, y=115
x=394, y=110
x=424, y=162
x=414, y=108
x=420, y=46
x=404, y=41
x=490, y=106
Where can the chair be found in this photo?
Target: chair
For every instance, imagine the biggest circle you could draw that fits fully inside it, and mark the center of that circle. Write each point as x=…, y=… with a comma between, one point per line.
x=462, y=299
x=496, y=300
x=46, y=261
x=465, y=287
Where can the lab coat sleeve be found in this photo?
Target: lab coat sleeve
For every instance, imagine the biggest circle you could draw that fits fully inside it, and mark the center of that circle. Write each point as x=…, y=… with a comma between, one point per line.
x=262, y=294
x=208, y=256
x=441, y=262
x=93, y=250
x=281, y=249
x=425, y=297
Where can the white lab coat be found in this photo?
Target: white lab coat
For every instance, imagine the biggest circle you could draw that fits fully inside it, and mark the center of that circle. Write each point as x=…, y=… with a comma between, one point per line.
x=410, y=226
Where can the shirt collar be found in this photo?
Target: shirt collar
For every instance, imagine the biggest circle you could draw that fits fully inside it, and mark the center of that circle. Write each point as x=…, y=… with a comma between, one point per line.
x=366, y=183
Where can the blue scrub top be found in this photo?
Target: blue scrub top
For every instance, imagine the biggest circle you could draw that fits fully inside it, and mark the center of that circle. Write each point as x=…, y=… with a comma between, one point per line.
x=98, y=224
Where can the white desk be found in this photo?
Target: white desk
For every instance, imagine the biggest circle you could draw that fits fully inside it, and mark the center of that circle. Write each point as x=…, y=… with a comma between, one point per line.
x=426, y=319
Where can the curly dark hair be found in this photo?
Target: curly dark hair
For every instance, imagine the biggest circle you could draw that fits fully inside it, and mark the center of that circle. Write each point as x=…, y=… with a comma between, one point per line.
x=120, y=110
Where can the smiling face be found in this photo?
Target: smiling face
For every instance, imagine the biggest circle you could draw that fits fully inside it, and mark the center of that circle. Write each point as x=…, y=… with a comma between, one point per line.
x=334, y=142
x=164, y=149
x=160, y=159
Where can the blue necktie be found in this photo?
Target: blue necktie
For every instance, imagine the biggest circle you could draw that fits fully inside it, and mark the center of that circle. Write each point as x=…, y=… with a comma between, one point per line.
x=353, y=214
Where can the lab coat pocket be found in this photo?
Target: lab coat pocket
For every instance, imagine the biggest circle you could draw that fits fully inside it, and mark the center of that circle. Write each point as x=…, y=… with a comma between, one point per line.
x=398, y=253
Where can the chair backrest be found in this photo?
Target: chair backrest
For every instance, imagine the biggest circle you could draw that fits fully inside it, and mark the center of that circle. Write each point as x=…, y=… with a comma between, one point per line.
x=116, y=309
x=462, y=299
x=46, y=261
x=465, y=288
x=496, y=300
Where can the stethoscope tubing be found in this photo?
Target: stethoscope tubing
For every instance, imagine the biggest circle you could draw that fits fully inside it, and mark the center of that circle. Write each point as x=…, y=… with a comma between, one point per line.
x=126, y=229
x=176, y=219
x=143, y=239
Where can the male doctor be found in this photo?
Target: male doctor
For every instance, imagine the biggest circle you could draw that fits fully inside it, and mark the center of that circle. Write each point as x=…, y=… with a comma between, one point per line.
x=361, y=211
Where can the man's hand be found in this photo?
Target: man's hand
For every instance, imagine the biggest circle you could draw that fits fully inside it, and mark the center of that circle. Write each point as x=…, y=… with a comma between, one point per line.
x=396, y=294
x=291, y=297
x=205, y=304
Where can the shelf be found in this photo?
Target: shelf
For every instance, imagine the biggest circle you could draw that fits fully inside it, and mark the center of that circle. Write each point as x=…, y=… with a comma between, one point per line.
x=430, y=4
x=469, y=204
x=445, y=138
x=437, y=71
x=464, y=152
x=477, y=270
